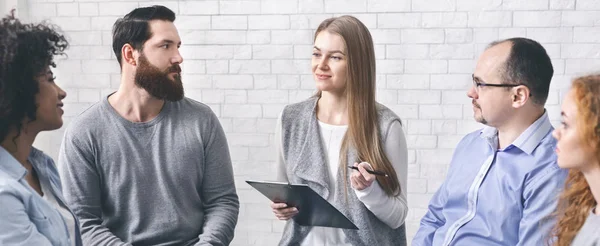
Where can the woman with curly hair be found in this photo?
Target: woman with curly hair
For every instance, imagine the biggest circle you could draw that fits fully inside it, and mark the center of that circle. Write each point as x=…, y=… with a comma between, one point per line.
x=32, y=209
x=578, y=149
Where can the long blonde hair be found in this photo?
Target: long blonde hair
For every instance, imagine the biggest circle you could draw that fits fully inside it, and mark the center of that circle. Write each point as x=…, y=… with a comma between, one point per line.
x=576, y=201
x=363, y=128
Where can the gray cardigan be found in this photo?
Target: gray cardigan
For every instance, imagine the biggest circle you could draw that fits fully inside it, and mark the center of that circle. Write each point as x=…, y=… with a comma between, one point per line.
x=305, y=158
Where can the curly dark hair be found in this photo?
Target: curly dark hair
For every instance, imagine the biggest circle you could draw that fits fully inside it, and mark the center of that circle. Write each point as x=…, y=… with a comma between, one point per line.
x=26, y=50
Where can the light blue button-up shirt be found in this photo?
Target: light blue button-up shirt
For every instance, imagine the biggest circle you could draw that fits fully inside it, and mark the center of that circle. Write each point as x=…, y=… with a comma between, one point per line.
x=495, y=196
x=25, y=217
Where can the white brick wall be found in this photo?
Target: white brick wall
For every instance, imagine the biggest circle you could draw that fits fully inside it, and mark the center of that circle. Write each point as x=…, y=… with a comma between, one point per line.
x=247, y=59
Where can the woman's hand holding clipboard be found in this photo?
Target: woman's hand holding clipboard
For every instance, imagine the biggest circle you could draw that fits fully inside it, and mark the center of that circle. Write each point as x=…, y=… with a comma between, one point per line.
x=282, y=211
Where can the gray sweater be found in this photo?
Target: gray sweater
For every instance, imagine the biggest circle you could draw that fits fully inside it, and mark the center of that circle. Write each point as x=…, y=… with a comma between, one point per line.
x=589, y=234
x=168, y=181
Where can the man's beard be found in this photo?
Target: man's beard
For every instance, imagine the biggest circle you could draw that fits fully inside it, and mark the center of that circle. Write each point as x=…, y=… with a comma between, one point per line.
x=157, y=83
x=479, y=118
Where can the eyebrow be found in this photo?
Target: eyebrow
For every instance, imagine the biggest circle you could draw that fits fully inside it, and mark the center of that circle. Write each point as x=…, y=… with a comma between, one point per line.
x=169, y=41
x=331, y=52
x=477, y=79
x=563, y=114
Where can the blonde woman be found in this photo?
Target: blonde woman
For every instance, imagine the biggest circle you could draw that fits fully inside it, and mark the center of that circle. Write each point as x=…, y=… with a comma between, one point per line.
x=341, y=126
x=578, y=149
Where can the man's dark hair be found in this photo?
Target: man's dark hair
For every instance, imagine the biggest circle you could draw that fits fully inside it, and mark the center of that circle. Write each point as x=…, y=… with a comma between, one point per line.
x=134, y=28
x=528, y=64
x=26, y=50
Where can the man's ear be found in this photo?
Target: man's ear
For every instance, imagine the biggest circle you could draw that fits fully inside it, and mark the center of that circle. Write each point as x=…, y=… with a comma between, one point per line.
x=129, y=55
x=520, y=95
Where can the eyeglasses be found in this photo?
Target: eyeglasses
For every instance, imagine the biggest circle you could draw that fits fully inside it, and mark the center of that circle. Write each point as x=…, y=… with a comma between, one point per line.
x=477, y=84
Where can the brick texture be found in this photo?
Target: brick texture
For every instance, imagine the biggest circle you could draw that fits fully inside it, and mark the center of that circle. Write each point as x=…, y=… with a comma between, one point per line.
x=247, y=59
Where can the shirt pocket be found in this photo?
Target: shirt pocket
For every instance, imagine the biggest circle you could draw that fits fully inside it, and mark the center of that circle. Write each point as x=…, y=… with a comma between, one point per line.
x=41, y=221
x=48, y=223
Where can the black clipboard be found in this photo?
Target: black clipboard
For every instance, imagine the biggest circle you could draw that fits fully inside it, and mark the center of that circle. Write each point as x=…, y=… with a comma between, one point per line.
x=313, y=210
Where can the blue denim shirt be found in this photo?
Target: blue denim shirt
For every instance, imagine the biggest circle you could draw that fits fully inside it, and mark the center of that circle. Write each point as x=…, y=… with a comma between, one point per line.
x=25, y=217
x=495, y=196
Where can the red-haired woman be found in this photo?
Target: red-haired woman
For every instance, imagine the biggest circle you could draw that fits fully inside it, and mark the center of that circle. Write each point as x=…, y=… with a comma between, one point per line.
x=578, y=149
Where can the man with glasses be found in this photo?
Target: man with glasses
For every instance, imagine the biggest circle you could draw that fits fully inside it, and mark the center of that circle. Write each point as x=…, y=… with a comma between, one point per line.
x=503, y=179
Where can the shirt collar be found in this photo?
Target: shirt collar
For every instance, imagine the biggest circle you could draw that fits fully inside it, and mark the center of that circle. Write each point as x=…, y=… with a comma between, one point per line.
x=528, y=140
x=10, y=165
x=14, y=168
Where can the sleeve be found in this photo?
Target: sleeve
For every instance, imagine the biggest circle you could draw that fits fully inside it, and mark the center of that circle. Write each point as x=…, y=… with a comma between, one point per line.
x=16, y=227
x=539, y=203
x=390, y=210
x=82, y=190
x=220, y=200
x=433, y=219
x=279, y=160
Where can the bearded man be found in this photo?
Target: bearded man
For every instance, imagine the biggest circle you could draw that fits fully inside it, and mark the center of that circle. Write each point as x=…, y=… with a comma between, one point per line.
x=146, y=165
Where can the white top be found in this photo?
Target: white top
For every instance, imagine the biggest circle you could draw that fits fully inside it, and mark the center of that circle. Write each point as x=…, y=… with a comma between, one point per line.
x=67, y=216
x=390, y=210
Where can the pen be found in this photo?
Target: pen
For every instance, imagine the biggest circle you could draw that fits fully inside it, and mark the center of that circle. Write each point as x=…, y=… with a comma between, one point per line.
x=371, y=172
